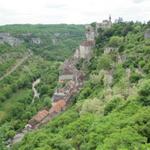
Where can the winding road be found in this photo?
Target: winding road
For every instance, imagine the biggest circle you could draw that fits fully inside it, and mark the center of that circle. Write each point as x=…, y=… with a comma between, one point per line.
x=36, y=94
x=18, y=64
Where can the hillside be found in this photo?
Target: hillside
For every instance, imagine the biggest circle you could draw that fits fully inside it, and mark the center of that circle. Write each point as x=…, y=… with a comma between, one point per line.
x=28, y=54
x=112, y=110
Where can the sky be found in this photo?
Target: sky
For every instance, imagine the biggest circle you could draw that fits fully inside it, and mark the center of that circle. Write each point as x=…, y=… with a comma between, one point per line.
x=71, y=11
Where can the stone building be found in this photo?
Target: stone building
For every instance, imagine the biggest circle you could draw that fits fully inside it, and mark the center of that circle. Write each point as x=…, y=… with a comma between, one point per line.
x=84, y=50
x=38, y=118
x=105, y=24
x=58, y=107
x=90, y=33
x=66, y=71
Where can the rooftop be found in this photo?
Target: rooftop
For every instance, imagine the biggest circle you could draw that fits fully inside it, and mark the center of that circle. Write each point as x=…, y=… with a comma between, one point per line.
x=41, y=115
x=58, y=106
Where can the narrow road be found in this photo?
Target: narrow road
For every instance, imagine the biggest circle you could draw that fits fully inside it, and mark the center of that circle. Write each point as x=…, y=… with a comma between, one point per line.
x=36, y=94
x=18, y=64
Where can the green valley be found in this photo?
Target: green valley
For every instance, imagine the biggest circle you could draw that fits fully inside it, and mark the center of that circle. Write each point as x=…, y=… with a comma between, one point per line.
x=27, y=53
x=112, y=110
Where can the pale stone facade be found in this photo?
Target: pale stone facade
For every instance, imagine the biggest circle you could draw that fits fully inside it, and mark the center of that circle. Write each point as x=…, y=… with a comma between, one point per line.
x=90, y=33
x=84, y=50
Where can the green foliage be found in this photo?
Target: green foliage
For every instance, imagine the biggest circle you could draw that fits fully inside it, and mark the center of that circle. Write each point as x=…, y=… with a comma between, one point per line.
x=115, y=41
x=57, y=43
x=113, y=104
x=103, y=117
x=135, y=77
x=126, y=138
x=104, y=62
x=47, y=102
x=144, y=93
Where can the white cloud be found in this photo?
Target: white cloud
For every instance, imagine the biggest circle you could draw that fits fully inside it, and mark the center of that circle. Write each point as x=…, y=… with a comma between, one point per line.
x=71, y=11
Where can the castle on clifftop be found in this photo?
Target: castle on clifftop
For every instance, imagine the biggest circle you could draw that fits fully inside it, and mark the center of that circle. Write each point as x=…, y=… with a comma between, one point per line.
x=85, y=49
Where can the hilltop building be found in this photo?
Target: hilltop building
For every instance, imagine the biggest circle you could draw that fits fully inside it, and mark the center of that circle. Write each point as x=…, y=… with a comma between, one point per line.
x=84, y=50
x=105, y=24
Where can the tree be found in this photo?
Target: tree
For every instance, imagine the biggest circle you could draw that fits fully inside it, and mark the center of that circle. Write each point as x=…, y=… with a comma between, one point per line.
x=123, y=139
x=144, y=93
x=104, y=62
x=115, y=41
x=47, y=102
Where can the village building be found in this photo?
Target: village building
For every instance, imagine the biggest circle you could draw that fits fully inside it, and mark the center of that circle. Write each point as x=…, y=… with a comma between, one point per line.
x=66, y=71
x=105, y=24
x=38, y=118
x=85, y=50
x=57, y=96
x=57, y=107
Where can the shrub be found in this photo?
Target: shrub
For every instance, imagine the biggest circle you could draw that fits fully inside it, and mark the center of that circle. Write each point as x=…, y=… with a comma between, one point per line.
x=144, y=93
x=115, y=41
x=112, y=105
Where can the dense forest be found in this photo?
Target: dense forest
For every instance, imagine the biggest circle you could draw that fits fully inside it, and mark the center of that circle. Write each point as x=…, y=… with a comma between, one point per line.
x=112, y=111
x=28, y=53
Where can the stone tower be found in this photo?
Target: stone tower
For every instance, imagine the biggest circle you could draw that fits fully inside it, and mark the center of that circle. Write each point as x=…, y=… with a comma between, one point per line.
x=90, y=33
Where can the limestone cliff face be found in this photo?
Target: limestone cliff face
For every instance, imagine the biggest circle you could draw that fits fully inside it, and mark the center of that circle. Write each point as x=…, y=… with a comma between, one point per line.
x=36, y=41
x=15, y=41
x=11, y=40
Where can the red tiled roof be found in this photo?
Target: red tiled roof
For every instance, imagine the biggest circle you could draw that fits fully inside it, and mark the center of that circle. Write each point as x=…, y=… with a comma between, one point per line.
x=41, y=115
x=58, y=106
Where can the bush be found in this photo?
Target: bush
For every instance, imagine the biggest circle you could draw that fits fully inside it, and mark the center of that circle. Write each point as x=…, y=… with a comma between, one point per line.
x=115, y=41
x=112, y=105
x=144, y=93
x=104, y=62
x=135, y=77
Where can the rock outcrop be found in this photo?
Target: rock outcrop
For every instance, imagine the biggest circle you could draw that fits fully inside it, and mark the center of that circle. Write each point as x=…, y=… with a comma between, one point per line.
x=9, y=39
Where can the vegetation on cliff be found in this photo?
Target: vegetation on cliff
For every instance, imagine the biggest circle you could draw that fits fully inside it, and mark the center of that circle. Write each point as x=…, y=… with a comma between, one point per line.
x=112, y=110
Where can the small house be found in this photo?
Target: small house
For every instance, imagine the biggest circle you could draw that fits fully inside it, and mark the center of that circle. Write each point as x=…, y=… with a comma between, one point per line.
x=38, y=117
x=57, y=96
x=85, y=49
x=58, y=107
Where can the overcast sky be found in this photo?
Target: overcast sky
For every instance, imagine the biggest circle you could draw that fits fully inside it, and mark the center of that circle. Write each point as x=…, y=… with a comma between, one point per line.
x=71, y=11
